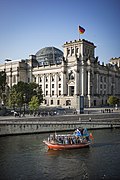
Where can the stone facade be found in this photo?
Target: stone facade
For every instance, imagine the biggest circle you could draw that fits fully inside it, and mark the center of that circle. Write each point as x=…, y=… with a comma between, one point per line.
x=79, y=74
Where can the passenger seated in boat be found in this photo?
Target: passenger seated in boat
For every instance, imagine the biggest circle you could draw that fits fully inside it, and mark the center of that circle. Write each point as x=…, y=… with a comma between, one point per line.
x=52, y=139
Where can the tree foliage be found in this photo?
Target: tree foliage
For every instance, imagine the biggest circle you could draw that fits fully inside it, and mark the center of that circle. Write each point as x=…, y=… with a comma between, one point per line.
x=34, y=103
x=2, y=85
x=23, y=92
x=15, y=99
x=2, y=81
x=112, y=100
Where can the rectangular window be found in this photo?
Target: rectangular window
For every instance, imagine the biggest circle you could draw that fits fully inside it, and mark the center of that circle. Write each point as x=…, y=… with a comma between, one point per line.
x=100, y=86
x=46, y=79
x=34, y=79
x=46, y=93
x=58, y=102
x=46, y=85
x=53, y=78
x=68, y=51
x=72, y=51
x=76, y=50
x=41, y=86
x=104, y=79
x=40, y=79
x=59, y=78
x=59, y=93
x=52, y=93
x=51, y=102
x=71, y=90
x=52, y=85
x=59, y=85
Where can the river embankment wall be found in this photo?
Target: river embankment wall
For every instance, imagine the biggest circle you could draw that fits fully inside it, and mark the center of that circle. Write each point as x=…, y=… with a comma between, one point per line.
x=28, y=124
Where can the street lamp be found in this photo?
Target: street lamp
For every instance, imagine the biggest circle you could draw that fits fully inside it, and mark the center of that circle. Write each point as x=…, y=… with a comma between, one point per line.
x=24, y=98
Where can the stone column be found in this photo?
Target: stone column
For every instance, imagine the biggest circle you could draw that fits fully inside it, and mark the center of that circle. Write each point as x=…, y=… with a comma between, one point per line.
x=64, y=86
x=82, y=72
x=37, y=79
x=89, y=82
x=76, y=92
x=97, y=91
x=49, y=87
x=56, y=85
x=43, y=84
x=62, y=82
x=82, y=80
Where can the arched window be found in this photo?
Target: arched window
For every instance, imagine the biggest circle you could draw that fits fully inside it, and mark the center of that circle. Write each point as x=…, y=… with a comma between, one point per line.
x=71, y=75
x=68, y=102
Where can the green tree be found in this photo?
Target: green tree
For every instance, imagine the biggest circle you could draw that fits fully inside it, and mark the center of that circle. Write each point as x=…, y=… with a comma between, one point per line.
x=23, y=89
x=28, y=90
x=22, y=93
x=34, y=103
x=39, y=94
x=2, y=80
x=2, y=84
x=112, y=100
x=12, y=98
x=19, y=100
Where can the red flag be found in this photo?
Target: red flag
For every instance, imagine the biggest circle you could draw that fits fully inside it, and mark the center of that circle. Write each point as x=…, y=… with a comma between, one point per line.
x=91, y=136
x=81, y=30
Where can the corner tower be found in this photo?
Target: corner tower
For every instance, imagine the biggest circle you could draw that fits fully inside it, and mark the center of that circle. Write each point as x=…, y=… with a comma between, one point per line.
x=81, y=49
x=79, y=55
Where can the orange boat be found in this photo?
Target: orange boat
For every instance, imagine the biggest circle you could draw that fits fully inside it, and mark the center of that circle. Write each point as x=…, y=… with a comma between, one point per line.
x=69, y=141
x=66, y=146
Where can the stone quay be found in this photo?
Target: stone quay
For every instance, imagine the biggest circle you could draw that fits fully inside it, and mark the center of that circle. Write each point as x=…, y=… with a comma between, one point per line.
x=29, y=124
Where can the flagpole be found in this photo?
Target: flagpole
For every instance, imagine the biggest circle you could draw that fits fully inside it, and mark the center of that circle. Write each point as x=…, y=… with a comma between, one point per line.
x=78, y=33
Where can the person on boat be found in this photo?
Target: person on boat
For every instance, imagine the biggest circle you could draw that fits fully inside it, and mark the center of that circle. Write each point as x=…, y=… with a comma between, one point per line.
x=91, y=136
x=81, y=130
x=66, y=140
x=86, y=134
x=77, y=133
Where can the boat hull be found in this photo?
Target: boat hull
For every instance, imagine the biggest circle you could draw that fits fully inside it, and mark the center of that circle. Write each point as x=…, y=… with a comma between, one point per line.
x=66, y=146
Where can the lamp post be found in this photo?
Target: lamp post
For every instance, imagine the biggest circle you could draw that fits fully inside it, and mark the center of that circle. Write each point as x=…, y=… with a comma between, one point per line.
x=24, y=98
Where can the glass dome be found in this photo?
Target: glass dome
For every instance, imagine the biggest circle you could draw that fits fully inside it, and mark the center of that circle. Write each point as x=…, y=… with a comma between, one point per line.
x=49, y=55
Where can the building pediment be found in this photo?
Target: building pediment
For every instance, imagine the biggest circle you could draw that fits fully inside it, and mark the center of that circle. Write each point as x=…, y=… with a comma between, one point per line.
x=71, y=83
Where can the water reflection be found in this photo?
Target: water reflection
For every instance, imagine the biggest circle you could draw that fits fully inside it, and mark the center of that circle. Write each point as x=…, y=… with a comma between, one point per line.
x=82, y=152
x=70, y=163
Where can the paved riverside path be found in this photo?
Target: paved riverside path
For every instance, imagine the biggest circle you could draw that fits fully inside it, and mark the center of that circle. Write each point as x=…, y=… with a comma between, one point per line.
x=97, y=116
x=95, y=113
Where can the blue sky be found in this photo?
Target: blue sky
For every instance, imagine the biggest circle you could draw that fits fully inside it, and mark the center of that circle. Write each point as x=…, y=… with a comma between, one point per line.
x=29, y=25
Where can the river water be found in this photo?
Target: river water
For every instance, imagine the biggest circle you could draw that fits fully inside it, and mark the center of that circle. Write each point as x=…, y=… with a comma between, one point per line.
x=25, y=157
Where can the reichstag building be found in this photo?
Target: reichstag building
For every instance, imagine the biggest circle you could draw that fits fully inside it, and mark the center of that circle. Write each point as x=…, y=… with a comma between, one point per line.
x=66, y=76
